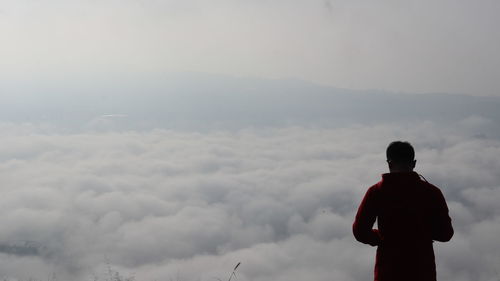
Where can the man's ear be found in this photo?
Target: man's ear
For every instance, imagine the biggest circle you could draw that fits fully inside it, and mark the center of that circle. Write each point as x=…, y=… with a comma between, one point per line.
x=413, y=163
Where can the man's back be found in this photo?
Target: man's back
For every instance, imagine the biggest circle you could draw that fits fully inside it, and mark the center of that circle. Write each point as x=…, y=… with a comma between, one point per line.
x=411, y=214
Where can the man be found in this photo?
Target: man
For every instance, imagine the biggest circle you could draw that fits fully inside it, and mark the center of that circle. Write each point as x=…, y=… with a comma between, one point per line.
x=411, y=214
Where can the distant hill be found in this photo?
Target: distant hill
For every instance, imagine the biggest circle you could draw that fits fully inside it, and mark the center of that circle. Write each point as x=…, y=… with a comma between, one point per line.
x=20, y=248
x=198, y=101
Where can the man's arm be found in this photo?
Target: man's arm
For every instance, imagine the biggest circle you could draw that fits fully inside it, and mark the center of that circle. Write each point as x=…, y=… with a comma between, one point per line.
x=442, y=230
x=365, y=218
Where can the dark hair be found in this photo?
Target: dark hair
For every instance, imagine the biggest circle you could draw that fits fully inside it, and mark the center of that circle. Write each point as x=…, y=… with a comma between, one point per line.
x=400, y=152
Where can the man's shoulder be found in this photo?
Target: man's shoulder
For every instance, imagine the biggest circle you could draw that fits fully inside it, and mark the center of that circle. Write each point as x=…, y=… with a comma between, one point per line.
x=375, y=188
x=432, y=190
x=430, y=186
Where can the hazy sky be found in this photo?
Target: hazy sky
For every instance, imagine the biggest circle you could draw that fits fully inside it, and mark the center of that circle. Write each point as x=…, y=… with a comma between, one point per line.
x=412, y=46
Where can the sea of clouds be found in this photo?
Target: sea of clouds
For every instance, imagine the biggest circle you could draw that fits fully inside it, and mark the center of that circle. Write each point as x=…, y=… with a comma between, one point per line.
x=165, y=204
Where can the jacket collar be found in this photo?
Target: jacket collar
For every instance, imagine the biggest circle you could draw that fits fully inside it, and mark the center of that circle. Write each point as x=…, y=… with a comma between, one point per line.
x=400, y=176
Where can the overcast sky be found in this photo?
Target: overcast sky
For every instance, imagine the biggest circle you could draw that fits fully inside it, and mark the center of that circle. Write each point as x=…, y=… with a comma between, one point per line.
x=412, y=46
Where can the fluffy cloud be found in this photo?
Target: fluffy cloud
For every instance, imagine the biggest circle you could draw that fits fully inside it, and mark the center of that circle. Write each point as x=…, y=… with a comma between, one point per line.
x=165, y=204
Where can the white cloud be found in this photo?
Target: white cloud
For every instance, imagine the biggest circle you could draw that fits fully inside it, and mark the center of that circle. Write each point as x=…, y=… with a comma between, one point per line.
x=160, y=204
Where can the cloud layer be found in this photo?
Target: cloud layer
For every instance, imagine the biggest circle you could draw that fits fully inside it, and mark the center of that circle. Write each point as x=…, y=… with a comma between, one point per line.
x=163, y=204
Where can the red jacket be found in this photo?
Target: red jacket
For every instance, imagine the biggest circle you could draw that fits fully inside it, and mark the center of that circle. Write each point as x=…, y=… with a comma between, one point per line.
x=411, y=213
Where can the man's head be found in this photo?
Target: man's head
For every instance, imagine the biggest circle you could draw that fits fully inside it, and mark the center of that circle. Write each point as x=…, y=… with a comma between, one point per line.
x=400, y=157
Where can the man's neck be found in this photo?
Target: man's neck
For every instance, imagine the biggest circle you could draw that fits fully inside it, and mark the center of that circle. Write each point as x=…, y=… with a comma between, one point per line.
x=399, y=170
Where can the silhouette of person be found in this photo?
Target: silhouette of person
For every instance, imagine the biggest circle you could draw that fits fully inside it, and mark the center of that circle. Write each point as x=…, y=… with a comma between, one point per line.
x=411, y=214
